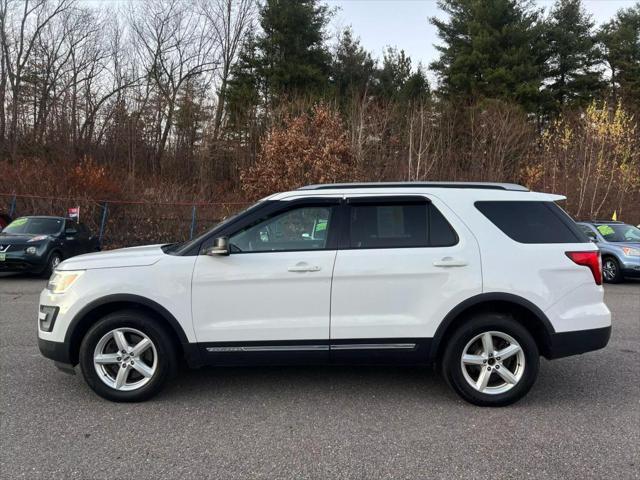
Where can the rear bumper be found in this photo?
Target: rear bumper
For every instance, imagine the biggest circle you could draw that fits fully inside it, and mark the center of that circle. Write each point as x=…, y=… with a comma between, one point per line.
x=565, y=344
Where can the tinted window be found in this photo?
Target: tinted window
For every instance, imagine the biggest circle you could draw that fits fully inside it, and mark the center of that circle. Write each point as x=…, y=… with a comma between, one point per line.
x=587, y=231
x=304, y=228
x=441, y=234
x=398, y=225
x=71, y=227
x=532, y=222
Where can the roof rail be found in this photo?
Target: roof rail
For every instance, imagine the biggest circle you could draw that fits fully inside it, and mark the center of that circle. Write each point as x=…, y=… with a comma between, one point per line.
x=480, y=185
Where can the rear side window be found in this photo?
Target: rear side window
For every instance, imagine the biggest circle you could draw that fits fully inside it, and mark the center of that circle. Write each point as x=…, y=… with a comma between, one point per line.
x=399, y=225
x=532, y=222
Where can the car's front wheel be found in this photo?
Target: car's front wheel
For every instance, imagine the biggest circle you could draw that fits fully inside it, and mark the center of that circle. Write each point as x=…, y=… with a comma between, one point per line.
x=491, y=360
x=611, y=270
x=52, y=263
x=127, y=357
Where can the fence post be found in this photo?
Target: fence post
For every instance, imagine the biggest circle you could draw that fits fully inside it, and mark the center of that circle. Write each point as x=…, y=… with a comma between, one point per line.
x=12, y=208
x=105, y=208
x=193, y=222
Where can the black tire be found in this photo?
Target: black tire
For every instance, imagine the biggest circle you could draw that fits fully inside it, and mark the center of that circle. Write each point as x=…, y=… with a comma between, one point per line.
x=149, y=326
x=452, y=368
x=52, y=262
x=611, y=272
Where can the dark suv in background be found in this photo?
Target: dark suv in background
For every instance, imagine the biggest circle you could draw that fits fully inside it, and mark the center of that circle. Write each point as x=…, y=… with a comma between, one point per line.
x=619, y=245
x=38, y=244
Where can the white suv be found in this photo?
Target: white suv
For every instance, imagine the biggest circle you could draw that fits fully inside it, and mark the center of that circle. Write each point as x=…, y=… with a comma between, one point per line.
x=478, y=279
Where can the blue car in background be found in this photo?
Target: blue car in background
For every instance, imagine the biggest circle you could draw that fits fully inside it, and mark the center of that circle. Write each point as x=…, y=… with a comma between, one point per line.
x=619, y=244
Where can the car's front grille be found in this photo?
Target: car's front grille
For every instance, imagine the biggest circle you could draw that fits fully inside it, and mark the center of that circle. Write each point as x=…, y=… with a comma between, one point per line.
x=5, y=248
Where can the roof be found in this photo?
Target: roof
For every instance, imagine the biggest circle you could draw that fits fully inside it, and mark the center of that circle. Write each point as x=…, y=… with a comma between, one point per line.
x=473, y=185
x=601, y=221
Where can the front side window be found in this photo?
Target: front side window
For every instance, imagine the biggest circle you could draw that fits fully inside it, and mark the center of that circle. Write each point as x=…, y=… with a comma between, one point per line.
x=304, y=228
x=399, y=225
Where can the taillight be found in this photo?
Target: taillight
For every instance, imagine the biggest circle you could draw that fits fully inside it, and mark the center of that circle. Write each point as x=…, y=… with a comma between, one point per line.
x=591, y=260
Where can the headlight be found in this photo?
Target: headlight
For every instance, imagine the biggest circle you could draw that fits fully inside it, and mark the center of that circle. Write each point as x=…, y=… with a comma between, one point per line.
x=38, y=238
x=31, y=250
x=60, y=282
x=631, y=252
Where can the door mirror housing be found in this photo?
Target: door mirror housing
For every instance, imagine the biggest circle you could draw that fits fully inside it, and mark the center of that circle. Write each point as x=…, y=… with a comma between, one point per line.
x=220, y=247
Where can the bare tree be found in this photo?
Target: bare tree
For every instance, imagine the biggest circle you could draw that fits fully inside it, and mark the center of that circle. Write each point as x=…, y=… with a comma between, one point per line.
x=229, y=21
x=22, y=24
x=175, y=46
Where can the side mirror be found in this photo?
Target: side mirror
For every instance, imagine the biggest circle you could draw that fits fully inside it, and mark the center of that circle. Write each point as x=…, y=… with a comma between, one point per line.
x=220, y=247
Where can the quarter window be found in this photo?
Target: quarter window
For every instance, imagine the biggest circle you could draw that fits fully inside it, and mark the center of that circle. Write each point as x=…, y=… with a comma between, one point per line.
x=305, y=228
x=532, y=222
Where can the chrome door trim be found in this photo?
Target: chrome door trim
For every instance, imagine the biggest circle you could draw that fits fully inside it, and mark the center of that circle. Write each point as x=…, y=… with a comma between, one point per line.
x=374, y=346
x=269, y=348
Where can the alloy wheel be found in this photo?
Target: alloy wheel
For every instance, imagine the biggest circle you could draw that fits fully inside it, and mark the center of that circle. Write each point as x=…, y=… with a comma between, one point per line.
x=609, y=269
x=125, y=359
x=493, y=362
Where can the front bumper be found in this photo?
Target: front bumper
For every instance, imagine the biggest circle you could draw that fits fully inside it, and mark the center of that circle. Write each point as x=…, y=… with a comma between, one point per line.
x=58, y=352
x=20, y=262
x=629, y=266
x=565, y=344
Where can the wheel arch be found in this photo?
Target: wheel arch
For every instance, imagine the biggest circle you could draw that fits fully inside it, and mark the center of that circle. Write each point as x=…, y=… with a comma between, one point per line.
x=524, y=311
x=97, y=309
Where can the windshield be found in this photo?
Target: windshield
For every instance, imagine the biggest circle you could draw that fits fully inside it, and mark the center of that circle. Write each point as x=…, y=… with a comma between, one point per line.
x=619, y=232
x=178, y=248
x=34, y=226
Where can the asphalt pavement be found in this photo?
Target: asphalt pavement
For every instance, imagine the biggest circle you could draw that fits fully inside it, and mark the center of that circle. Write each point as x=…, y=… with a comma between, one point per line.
x=581, y=420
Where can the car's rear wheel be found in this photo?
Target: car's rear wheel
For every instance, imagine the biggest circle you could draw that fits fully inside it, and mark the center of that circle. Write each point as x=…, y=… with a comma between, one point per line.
x=611, y=270
x=491, y=360
x=127, y=357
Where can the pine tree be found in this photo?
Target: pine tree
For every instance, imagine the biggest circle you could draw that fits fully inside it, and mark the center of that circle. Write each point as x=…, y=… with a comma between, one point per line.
x=394, y=74
x=416, y=88
x=293, y=58
x=573, y=76
x=352, y=70
x=490, y=49
x=620, y=40
x=243, y=91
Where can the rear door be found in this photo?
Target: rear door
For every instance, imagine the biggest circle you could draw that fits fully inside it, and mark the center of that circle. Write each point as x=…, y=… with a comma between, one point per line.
x=407, y=261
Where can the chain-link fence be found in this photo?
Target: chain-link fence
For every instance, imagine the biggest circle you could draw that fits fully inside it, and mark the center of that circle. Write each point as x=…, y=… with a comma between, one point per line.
x=122, y=223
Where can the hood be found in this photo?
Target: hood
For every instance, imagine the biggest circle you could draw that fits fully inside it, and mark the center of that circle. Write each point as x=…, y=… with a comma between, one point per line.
x=612, y=244
x=20, y=239
x=123, y=257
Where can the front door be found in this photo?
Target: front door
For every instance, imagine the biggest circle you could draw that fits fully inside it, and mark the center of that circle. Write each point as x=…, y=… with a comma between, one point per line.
x=270, y=298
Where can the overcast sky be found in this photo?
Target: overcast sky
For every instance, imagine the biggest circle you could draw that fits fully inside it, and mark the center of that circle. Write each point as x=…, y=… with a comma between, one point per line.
x=405, y=23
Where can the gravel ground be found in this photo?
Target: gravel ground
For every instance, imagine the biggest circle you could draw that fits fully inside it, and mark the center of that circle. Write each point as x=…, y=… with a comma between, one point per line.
x=581, y=420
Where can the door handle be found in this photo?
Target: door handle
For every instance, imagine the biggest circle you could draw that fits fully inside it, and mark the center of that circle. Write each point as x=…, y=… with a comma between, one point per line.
x=303, y=267
x=450, y=262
